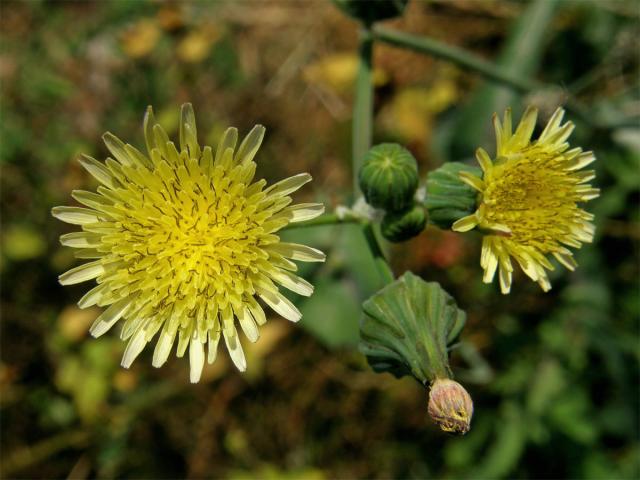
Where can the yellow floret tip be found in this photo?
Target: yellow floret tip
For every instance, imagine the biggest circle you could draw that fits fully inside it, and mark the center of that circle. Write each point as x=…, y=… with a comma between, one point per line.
x=183, y=242
x=528, y=200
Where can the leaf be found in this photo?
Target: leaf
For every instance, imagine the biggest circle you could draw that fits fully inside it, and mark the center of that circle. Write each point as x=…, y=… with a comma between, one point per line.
x=407, y=328
x=508, y=446
x=331, y=314
x=571, y=414
x=547, y=383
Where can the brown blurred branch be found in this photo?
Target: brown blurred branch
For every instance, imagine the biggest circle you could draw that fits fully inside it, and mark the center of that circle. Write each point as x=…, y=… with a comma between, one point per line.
x=25, y=456
x=620, y=229
x=28, y=455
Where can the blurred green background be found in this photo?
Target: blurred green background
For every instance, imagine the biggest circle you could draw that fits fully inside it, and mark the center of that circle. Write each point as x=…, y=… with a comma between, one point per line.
x=554, y=376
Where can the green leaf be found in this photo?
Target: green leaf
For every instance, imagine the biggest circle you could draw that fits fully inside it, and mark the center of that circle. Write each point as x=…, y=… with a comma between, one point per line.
x=547, y=383
x=571, y=414
x=508, y=446
x=407, y=328
x=330, y=314
x=461, y=453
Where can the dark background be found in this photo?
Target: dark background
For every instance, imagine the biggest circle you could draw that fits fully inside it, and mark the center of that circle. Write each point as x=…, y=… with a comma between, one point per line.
x=554, y=376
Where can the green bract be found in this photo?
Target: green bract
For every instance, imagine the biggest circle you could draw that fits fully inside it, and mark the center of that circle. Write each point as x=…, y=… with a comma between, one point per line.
x=369, y=11
x=407, y=328
x=448, y=198
x=389, y=177
x=401, y=226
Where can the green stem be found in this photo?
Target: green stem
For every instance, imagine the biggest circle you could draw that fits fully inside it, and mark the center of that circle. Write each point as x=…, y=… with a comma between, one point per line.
x=453, y=54
x=378, y=257
x=472, y=62
x=363, y=105
x=361, y=138
x=326, y=219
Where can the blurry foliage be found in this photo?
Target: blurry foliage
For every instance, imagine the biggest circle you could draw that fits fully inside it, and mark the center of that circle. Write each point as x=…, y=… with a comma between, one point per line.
x=338, y=72
x=520, y=54
x=555, y=390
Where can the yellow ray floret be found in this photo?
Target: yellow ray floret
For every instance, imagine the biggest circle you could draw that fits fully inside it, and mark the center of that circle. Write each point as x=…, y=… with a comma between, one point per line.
x=528, y=200
x=183, y=242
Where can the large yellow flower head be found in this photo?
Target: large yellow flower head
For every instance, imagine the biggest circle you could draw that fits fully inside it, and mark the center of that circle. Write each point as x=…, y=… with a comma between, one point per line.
x=528, y=199
x=183, y=241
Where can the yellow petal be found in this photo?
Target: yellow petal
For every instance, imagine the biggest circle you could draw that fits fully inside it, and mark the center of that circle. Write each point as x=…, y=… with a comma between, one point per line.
x=465, y=223
x=85, y=272
x=281, y=305
x=484, y=160
x=553, y=124
x=472, y=181
x=523, y=133
x=196, y=360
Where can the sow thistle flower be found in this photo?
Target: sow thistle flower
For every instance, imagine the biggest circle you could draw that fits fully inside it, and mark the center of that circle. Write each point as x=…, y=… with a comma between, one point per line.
x=528, y=199
x=183, y=242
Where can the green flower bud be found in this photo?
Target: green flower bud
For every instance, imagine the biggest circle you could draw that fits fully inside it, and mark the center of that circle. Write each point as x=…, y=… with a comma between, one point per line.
x=450, y=406
x=447, y=197
x=401, y=226
x=389, y=177
x=372, y=10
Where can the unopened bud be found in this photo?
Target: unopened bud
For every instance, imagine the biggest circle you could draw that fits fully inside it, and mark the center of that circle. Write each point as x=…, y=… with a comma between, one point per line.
x=398, y=227
x=448, y=198
x=450, y=406
x=388, y=177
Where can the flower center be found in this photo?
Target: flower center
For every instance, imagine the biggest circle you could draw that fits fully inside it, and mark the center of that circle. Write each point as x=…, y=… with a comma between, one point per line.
x=532, y=196
x=193, y=238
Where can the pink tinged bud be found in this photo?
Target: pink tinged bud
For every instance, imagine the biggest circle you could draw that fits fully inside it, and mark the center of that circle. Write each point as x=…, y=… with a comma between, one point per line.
x=450, y=406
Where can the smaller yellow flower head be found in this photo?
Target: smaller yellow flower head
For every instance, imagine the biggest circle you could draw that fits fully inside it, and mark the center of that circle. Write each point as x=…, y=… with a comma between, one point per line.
x=183, y=241
x=528, y=199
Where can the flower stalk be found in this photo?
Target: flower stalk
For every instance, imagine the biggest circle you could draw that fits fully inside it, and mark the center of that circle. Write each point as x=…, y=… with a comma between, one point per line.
x=429, y=46
x=384, y=270
x=326, y=219
x=363, y=105
x=470, y=61
x=361, y=138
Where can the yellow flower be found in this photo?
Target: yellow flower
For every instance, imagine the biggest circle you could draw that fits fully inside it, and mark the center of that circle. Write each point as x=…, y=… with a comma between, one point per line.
x=528, y=200
x=183, y=241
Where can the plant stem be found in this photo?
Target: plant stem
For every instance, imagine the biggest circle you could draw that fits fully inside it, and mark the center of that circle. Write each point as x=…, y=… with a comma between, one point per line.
x=470, y=61
x=363, y=105
x=326, y=219
x=34, y=454
x=361, y=139
x=378, y=257
x=453, y=54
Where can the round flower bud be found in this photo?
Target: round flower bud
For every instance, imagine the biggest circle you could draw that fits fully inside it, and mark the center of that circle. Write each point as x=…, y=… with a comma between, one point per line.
x=372, y=10
x=448, y=198
x=450, y=406
x=401, y=226
x=389, y=177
